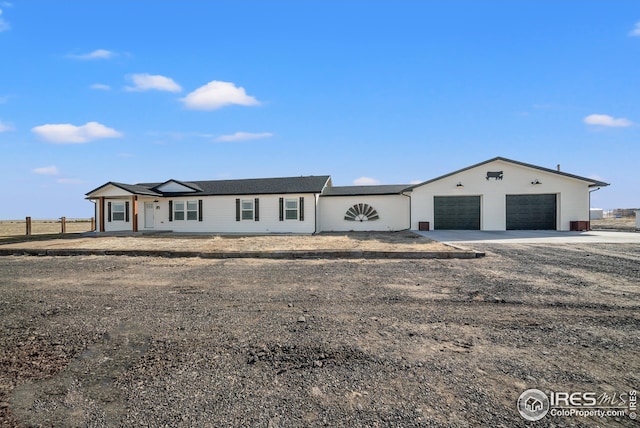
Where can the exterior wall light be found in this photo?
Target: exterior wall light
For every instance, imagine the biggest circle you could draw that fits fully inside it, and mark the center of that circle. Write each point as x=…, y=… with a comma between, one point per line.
x=459, y=184
x=536, y=181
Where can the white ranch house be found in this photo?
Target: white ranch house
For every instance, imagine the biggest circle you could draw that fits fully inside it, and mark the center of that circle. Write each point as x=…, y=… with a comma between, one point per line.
x=498, y=194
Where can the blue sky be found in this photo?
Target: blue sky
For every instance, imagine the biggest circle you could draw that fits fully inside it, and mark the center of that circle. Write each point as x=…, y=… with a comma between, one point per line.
x=365, y=91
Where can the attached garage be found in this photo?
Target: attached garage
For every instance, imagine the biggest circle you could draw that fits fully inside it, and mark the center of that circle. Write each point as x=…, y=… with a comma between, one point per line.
x=501, y=194
x=456, y=212
x=531, y=212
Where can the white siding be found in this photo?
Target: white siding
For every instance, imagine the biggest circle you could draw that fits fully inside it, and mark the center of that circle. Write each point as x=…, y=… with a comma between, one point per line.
x=172, y=186
x=393, y=211
x=219, y=215
x=110, y=191
x=117, y=225
x=572, y=200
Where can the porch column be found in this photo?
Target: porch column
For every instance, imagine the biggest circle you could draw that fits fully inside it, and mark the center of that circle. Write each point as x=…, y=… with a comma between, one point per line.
x=101, y=209
x=134, y=205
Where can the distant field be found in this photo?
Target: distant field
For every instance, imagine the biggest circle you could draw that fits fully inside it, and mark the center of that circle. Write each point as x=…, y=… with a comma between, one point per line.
x=42, y=227
x=612, y=223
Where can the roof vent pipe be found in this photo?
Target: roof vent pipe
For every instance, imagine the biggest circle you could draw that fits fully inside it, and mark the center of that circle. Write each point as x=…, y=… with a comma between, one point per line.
x=558, y=167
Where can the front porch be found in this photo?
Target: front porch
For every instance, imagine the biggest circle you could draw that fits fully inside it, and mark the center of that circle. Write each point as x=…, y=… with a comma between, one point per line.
x=122, y=213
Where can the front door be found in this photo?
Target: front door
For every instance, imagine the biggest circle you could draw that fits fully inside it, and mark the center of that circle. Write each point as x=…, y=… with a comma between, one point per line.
x=148, y=214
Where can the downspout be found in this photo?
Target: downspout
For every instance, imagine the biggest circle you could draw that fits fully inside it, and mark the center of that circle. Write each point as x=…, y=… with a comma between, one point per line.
x=589, y=216
x=408, y=196
x=95, y=215
x=315, y=218
x=317, y=198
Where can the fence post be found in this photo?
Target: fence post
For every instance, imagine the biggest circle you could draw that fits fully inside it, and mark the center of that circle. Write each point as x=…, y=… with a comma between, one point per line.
x=63, y=221
x=93, y=224
x=28, y=222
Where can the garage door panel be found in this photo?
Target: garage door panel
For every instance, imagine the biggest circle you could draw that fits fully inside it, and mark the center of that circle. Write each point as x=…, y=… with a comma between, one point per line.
x=457, y=212
x=531, y=212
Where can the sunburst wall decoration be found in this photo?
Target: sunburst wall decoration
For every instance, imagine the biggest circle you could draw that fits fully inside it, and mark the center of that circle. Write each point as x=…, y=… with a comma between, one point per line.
x=361, y=212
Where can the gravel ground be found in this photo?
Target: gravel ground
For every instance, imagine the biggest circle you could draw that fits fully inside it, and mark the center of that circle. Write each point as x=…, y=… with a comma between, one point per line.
x=120, y=341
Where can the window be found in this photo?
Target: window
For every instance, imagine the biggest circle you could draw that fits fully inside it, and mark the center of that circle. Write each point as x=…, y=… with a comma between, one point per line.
x=117, y=211
x=178, y=213
x=291, y=209
x=192, y=210
x=185, y=210
x=247, y=209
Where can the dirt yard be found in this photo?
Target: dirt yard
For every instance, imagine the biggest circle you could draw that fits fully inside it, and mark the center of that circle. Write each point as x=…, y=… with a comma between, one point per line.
x=121, y=341
x=381, y=241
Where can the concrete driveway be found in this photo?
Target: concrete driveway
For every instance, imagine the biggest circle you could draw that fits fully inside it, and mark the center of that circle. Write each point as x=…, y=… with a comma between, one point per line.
x=531, y=236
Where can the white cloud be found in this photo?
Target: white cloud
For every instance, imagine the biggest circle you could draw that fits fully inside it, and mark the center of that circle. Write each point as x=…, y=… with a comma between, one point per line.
x=606, y=120
x=147, y=82
x=416, y=181
x=4, y=25
x=4, y=127
x=636, y=31
x=69, y=181
x=366, y=181
x=243, y=136
x=64, y=133
x=101, y=87
x=217, y=94
x=46, y=170
x=97, y=54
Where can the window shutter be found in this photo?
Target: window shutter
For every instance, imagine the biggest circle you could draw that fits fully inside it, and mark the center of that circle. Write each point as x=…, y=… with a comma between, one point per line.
x=256, y=207
x=109, y=212
x=237, y=209
x=301, y=208
x=199, y=209
x=170, y=210
x=281, y=203
x=126, y=211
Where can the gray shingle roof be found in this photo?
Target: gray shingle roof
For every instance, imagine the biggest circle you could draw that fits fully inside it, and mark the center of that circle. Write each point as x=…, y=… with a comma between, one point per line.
x=303, y=184
x=252, y=186
x=387, y=189
x=132, y=188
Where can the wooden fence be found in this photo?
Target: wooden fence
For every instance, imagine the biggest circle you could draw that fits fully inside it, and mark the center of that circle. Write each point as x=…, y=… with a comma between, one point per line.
x=62, y=226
